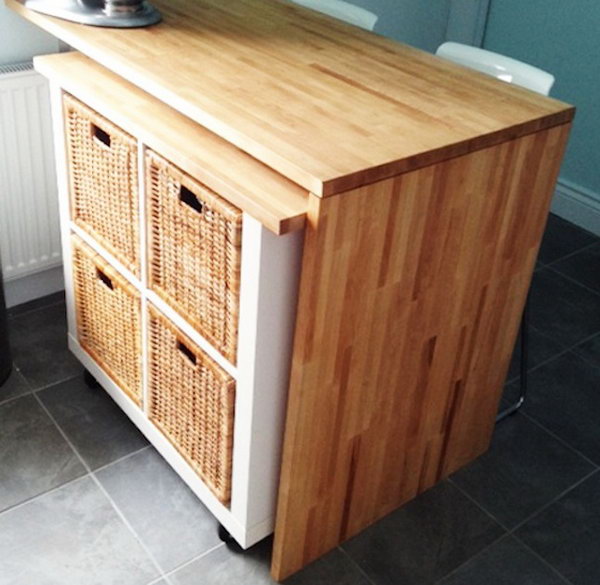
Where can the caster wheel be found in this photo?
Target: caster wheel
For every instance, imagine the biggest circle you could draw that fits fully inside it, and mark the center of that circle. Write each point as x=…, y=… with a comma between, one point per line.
x=89, y=380
x=229, y=541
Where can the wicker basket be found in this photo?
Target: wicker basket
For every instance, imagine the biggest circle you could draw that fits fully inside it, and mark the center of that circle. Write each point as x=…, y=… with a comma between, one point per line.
x=191, y=400
x=194, y=251
x=103, y=179
x=108, y=312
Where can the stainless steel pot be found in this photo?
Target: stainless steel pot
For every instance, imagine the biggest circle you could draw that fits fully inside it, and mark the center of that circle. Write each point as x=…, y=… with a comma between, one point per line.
x=106, y=13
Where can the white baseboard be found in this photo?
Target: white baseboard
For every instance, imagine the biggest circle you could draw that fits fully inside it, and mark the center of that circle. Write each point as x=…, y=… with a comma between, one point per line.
x=578, y=205
x=34, y=286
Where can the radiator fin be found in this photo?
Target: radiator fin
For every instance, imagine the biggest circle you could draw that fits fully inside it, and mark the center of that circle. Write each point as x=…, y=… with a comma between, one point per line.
x=29, y=225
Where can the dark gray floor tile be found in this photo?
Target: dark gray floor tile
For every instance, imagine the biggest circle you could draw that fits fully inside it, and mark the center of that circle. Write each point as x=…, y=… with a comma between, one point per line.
x=590, y=350
x=223, y=567
x=34, y=457
x=15, y=386
x=165, y=514
x=563, y=310
x=564, y=396
x=335, y=567
x=584, y=267
x=540, y=349
x=562, y=238
x=96, y=426
x=423, y=541
x=71, y=536
x=567, y=534
x=524, y=469
x=506, y=562
x=39, y=344
x=53, y=299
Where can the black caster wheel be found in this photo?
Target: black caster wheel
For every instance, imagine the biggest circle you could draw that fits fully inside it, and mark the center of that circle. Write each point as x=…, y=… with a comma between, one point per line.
x=89, y=380
x=229, y=541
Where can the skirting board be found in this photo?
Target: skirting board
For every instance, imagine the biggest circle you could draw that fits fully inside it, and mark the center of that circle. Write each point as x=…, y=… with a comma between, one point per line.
x=34, y=286
x=578, y=205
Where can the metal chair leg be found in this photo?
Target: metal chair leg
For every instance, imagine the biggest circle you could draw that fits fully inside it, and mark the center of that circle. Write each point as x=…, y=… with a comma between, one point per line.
x=524, y=365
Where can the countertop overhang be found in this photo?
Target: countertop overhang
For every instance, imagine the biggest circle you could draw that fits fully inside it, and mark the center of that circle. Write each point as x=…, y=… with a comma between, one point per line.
x=326, y=104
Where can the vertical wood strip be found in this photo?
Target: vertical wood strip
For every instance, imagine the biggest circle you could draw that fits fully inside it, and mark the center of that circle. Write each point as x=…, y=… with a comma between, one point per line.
x=411, y=295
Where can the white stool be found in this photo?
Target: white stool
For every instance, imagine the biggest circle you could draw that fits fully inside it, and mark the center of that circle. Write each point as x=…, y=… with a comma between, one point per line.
x=343, y=10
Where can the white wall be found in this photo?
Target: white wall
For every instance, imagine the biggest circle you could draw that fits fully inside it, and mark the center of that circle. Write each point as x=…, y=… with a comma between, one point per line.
x=20, y=40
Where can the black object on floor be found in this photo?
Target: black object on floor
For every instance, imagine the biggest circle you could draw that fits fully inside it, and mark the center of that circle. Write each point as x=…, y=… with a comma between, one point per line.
x=5, y=355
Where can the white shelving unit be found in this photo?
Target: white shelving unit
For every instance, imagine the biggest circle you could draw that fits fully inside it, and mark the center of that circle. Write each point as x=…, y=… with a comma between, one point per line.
x=269, y=283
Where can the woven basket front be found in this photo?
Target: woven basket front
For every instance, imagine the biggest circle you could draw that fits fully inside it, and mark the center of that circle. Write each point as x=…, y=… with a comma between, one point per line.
x=108, y=310
x=194, y=252
x=191, y=400
x=102, y=161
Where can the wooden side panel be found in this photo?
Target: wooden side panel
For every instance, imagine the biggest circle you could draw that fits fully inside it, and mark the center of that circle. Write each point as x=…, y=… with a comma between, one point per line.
x=411, y=296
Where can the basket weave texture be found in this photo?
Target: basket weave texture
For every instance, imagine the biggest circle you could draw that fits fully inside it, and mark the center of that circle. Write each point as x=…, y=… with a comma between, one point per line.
x=194, y=252
x=103, y=178
x=108, y=310
x=191, y=400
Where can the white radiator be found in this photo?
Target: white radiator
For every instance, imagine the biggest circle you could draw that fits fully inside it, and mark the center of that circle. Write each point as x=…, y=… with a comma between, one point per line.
x=29, y=224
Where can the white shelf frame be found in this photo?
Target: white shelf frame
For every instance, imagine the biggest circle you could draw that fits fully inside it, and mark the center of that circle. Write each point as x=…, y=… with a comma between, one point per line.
x=270, y=273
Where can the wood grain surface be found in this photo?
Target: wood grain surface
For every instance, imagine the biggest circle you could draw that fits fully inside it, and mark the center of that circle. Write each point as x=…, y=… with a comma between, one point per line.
x=275, y=201
x=410, y=301
x=326, y=104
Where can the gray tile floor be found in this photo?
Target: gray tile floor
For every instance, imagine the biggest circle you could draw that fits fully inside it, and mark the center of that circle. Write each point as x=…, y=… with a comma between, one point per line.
x=85, y=500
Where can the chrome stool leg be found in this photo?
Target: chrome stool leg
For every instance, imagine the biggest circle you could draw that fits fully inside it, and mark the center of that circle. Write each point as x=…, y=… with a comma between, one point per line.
x=523, y=366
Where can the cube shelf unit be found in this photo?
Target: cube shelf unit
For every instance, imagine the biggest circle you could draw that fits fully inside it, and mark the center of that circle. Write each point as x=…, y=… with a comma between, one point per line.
x=271, y=245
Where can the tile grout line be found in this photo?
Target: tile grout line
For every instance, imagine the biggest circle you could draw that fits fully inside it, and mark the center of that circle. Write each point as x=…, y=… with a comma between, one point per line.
x=103, y=490
x=542, y=559
x=570, y=348
x=13, y=398
x=61, y=381
x=512, y=532
x=559, y=439
x=192, y=560
x=475, y=556
x=348, y=556
x=35, y=390
x=573, y=280
x=554, y=500
x=570, y=254
x=44, y=493
x=480, y=506
x=120, y=459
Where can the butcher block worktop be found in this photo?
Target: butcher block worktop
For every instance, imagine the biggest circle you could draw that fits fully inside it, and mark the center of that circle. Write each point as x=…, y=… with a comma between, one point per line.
x=403, y=292
x=327, y=105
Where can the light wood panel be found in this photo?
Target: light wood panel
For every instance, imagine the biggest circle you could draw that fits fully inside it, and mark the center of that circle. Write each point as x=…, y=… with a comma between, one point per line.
x=410, y=300
x=275, y=201
x=328, y=105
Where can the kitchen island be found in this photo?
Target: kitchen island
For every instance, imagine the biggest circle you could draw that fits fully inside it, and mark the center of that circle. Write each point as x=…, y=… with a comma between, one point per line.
x=404, y=198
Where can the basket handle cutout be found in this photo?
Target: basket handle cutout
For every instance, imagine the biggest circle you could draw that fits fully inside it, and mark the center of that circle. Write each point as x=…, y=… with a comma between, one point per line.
x=101, y=135
x=186, y=351
x=106, y=281
x=187, y=197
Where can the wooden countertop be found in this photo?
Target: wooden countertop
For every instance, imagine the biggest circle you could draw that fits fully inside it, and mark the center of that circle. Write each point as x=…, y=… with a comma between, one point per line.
x=328, y=105
x=278, y=203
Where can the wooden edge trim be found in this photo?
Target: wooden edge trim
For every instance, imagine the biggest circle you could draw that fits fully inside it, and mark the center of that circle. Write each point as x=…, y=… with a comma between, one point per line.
x=375, y=174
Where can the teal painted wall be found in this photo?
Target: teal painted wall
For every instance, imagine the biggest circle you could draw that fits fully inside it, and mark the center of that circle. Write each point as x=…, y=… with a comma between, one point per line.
x=563, y=37
x=420, y=23
x=416, y=22
x=20, y=40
